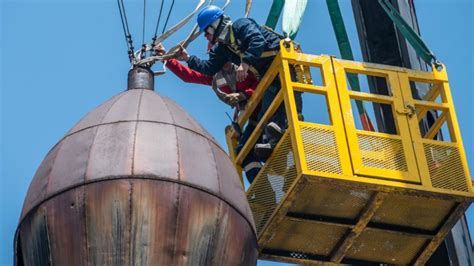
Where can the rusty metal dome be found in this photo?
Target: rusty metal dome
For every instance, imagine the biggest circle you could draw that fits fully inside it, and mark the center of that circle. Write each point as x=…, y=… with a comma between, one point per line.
x=136, y=180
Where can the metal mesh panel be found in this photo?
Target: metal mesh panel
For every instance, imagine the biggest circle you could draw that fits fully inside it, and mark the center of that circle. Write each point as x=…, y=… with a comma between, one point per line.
x=320, y=150
x=331, y=201
x=386, y=247
x=383, y=153
x=272, y=183
x=411, y=211
x=306, y=237
x=445, y=167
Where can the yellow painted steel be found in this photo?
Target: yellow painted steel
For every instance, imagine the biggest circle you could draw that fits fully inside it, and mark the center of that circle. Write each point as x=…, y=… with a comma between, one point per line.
x=401, y=165
x=334, y=193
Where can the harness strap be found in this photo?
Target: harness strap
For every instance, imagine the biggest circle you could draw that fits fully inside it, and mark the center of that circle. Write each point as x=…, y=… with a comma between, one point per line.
x=234, y=47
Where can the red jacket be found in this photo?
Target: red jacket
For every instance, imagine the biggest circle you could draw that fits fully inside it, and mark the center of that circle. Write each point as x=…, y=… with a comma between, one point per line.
x=186, y=74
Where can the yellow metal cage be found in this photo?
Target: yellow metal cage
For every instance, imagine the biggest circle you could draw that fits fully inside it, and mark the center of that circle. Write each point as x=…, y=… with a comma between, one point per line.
x=349, y=194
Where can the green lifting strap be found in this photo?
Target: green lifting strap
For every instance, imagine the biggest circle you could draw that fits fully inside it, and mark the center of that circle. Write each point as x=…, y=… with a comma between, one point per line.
x=274, y=14
x=346, y=53
x=409, y=34
x=293, y=12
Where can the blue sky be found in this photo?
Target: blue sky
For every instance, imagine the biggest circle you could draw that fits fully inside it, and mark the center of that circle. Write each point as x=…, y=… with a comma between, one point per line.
x=60, y=59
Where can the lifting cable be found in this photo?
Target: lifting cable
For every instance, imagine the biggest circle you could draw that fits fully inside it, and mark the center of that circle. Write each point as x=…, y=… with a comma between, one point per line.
x=142, y=54
x=155, y=40
x=168, y=17
x=164, y=36
x=126, y=31
x=180, y=24
x=191, y=37
x=409, y=34
x=173, y=51
x=158, y=21
x=346, y=53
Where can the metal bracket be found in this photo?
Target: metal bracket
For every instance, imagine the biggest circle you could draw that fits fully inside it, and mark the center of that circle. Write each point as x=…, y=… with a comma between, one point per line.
x=409, y=110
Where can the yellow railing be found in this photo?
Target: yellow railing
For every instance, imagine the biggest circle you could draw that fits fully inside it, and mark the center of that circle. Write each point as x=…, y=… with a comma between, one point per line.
x=403, y=156
x=334, y=178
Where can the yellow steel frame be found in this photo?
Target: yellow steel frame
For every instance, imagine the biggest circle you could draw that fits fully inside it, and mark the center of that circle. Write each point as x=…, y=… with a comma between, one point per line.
x=408, y=144
x=395, y=101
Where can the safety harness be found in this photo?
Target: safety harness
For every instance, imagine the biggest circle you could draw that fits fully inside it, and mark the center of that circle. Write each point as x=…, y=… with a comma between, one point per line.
x=234, y=47
x=303, y=74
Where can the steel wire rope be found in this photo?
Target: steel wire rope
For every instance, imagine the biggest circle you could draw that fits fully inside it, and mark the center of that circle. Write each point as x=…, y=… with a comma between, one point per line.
x=144, y=20
x=123, y=24
x=158, y=20
x=168, y=33
x=126, y=30
x=191, y=37
x=168, y=17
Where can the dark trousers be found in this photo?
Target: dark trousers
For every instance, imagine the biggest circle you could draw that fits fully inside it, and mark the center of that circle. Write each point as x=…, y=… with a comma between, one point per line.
x=279, y=117
x=250, y=158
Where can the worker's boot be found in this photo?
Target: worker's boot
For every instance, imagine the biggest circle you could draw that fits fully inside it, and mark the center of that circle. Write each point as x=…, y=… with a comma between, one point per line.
x=264, y=150
x=273, y=133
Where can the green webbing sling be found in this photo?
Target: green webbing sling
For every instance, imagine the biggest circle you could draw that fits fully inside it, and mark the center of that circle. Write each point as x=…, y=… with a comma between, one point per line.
x=346, y=53
x=293, y=12
x=409, y=34
x=274, y=14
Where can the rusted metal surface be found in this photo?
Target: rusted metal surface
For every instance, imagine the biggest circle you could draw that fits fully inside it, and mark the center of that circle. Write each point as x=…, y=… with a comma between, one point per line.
x=365, y=216
x=433, y=245
x=34, y=238
x=65, y=215
x=141, y=78
x=153, y=222
x=136, y=181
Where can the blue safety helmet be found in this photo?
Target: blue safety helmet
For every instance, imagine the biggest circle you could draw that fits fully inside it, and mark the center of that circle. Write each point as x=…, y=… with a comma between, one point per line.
x=208, y=15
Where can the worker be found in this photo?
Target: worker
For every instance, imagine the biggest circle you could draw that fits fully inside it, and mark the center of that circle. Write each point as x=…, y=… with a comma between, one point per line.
x=250, y=47
x=233, y=93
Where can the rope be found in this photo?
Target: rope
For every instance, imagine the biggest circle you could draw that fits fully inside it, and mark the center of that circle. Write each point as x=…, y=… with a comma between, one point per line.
x=158, y=21
x=164, y=36
x=168, y=17
x=123, y=23
x=248, y=5
x=180, y=24
x=144, y=19
x=126, y=30
x=191, y=37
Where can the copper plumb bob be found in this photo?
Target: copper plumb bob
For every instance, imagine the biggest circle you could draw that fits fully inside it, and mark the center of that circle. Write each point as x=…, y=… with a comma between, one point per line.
x=136, y=182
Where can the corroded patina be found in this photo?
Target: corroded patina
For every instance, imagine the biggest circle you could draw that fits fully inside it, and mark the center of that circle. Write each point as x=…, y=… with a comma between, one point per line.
x=136, y=182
